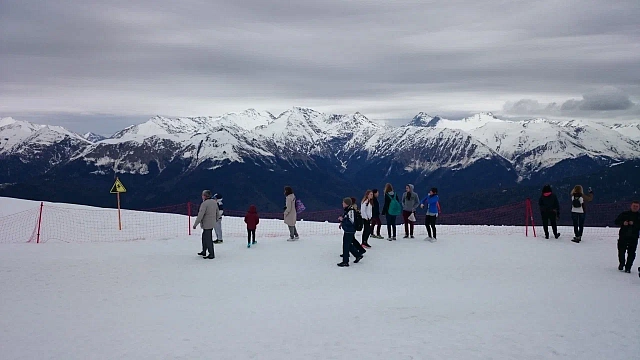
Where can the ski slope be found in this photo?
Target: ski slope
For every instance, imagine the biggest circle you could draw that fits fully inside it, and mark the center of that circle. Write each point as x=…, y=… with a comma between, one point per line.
x=463, y=297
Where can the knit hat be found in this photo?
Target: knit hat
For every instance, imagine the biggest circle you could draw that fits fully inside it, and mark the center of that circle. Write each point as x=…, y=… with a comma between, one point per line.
x=434, y=190
x=347, y=201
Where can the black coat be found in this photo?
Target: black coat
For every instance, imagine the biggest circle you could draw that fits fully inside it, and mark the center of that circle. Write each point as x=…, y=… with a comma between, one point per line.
x=549, y=204
x=629, y=231
x=375, y=211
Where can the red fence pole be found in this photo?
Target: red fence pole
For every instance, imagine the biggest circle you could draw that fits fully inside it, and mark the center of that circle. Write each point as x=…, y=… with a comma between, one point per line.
x=533, y=225
x=39, y=223
x=189, y=215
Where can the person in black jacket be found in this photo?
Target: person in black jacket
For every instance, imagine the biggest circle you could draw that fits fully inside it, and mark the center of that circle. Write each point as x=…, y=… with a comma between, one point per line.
x=550, y=211
x=375, y=219
x=629, y=222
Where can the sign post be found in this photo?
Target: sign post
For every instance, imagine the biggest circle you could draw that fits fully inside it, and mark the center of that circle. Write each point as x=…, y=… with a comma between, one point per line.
x=118, y=188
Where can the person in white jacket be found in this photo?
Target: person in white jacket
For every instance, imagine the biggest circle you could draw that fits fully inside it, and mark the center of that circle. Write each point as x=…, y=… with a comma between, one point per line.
x=366, y=210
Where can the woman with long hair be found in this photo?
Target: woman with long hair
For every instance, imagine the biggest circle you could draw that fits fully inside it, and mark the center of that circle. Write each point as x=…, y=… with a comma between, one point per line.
x=577, y=212
x=391, y=209
x=290, y=214
x=366, y=210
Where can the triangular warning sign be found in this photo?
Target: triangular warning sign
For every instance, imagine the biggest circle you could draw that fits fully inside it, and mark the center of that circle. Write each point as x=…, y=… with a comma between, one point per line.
x=118, y=187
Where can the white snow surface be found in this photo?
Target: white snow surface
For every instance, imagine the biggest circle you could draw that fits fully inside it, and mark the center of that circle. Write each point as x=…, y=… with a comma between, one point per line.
x=463, y=297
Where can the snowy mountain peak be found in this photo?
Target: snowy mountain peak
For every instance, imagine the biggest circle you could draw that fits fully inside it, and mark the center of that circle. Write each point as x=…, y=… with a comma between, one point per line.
x=424, y=120
x=94, y=138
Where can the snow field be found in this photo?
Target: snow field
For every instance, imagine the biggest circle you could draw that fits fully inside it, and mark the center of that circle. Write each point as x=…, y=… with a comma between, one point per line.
x=464, y=297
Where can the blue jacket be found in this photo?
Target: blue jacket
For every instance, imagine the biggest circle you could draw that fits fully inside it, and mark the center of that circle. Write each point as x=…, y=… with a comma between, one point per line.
x=432, y=203
x=348, y=219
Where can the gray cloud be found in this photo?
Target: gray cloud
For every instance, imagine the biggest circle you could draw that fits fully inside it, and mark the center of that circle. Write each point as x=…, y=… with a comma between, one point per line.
x=388, y=60
x=606, y=103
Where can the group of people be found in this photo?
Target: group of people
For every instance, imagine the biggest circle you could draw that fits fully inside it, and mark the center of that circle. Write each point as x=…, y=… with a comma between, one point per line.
x=369, y=215
x=628, y=221
x=367, y=219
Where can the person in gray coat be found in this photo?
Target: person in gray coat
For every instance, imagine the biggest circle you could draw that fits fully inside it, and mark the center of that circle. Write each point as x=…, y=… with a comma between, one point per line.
x=290, y=214
x=410, y=202
x=207, y=217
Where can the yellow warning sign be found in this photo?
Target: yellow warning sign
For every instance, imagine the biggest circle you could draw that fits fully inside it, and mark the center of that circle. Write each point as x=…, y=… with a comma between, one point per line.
x=118, y=187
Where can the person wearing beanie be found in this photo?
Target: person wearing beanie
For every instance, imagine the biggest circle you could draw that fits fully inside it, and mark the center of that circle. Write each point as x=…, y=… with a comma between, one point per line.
x=207, y=215
x=347, y=223
x=549, y=210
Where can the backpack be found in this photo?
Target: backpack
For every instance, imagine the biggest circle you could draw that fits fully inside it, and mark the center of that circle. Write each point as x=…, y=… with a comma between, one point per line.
x=300, y=206
x=395, y=208
x=576, y=202
x=359, y=221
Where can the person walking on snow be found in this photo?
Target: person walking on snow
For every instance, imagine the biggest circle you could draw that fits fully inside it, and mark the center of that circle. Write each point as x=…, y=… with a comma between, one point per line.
x=290, y=214
x=391, y=209
x=629, y=222
x=410, y=202
x=550, y=211
x=207, y=215
x=366, y=210
x=433, y=209
x=218, y=225
x=577, y=212
x=357, y=250
x=347, y=224
x=375, y=216
x=252, y=220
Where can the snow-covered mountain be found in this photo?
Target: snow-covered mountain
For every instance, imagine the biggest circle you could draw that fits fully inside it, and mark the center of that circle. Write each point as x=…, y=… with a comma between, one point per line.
x=476, y=152
x=94, y=138
x=631, y=130
x=466, y=124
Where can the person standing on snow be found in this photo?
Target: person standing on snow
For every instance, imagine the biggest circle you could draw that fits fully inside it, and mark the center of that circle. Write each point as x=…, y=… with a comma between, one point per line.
x=206, y=218
x=290, y=214
x=252, y=220
x=629, y=222
x=577, y=213
x=410, y=202
x=218, y=225
x=366, y=209
x=375, y=215
x=550, y=211
x=433, y=209
x=391, y=209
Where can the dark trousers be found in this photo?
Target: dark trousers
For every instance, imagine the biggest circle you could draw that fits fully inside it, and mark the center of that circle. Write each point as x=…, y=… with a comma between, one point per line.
x=627, y=245
x=430, y=223
x=251, y=233
x=376, y=222
x=578, y=223
x=366, y=231
x=356, y=248
x=207, y=241
x=347, y=246
x=549, y=217
x=408, y=225
x=391, y=224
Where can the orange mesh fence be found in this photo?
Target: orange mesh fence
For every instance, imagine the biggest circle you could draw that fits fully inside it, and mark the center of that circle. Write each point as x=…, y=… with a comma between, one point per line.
x=77, y=224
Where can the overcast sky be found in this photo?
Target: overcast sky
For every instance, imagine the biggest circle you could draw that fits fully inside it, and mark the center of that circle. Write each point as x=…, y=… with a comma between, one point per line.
x=92, y=65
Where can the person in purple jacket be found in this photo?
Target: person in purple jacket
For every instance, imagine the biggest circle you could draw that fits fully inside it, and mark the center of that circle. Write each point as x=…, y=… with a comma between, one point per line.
x=433, y=209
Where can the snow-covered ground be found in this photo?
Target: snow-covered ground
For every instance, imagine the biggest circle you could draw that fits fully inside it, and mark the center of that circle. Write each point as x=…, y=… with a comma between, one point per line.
x=463, y=297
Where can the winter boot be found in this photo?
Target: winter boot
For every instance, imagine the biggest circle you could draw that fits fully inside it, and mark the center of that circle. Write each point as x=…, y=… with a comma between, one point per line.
x=343, y=264
x=357, y=260
x=621, y=267
x=557, y=235
x=204, y=253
